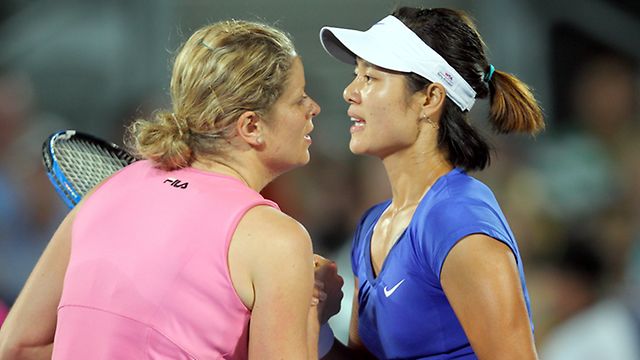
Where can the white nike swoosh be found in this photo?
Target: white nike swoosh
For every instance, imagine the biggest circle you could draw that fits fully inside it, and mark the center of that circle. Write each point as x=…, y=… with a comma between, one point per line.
x=388, y=292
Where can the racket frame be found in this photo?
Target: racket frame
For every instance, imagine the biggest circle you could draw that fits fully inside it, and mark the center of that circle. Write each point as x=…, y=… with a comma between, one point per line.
x=70, y=195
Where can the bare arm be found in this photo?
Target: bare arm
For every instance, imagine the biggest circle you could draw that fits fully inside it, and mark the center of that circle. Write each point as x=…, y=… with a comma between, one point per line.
x=272, y=259
x=480, y=278
x=28, y=331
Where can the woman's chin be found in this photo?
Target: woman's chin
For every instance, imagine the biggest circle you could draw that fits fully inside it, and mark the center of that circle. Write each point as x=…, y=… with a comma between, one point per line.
x=356, y=148
x=304, y=160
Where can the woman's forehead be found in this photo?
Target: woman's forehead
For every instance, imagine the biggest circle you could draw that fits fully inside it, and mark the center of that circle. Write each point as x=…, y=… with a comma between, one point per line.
x=364, y=63
x=295, y=82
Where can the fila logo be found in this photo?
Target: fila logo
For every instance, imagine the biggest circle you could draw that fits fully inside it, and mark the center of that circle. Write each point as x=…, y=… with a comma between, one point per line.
x=176, y=183
x=388, y=292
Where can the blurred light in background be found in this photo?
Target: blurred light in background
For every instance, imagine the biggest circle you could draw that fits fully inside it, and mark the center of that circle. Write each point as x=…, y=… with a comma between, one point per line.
x=572, y=195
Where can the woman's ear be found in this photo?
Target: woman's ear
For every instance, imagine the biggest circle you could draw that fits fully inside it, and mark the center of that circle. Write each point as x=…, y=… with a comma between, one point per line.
x=250, y=128
x=434, y=100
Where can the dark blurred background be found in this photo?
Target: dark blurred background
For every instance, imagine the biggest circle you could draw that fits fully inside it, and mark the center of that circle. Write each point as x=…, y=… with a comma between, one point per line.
x=572, y=194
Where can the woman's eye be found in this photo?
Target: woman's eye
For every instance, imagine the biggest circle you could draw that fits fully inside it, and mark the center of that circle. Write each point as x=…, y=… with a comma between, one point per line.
x=366, y=77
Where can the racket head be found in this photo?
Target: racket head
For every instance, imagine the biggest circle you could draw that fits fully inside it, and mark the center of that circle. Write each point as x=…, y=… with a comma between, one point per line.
x=76, y=162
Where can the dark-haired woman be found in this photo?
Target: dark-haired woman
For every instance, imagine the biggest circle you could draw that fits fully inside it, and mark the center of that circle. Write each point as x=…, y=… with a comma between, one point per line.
x=437, y=268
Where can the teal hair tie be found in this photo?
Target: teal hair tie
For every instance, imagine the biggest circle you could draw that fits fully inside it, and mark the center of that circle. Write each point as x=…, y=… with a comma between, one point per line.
x=487, y=76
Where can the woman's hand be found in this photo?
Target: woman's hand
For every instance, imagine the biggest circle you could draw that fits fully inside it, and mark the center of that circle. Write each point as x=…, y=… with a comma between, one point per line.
x=328, y=288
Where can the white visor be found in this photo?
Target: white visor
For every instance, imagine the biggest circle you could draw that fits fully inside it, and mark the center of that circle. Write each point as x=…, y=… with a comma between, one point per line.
x=390, y=44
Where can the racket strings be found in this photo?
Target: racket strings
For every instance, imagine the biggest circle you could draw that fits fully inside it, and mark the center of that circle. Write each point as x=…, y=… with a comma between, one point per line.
x=85, y=164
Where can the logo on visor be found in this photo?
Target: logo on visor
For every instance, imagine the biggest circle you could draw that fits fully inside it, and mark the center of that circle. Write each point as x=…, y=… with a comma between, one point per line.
x=446, y=77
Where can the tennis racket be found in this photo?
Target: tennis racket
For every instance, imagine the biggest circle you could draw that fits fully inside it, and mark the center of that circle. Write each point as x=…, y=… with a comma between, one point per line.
x=77, y=162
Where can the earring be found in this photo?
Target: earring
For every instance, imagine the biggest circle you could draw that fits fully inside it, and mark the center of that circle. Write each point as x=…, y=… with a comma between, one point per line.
x=428, y=120
x=259, y=140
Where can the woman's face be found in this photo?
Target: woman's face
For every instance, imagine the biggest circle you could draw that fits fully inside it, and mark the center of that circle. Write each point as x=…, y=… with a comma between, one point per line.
x=383, y=112
x=287, y=136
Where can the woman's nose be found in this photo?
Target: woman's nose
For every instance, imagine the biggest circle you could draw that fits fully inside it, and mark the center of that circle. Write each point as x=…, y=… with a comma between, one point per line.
x=351, y=93
x=315, y=108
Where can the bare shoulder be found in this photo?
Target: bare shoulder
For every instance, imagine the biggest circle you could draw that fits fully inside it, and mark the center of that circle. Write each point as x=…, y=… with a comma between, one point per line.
x=267, y=241
x=264, y=223
x=270, y=248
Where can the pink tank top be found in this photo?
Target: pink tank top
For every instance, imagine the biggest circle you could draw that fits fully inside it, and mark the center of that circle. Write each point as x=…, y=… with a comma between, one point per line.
x=4, y=310
x=148, y=276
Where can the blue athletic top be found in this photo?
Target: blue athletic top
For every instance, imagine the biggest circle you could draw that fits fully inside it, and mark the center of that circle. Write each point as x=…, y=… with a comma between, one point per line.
x=403, y=312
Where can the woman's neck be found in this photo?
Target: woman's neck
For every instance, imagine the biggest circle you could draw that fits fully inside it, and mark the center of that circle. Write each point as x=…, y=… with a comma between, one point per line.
x=411, y=174
x=254, y=177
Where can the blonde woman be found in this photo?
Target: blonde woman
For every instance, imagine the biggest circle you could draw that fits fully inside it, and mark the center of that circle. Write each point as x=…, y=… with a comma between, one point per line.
x=178, y=256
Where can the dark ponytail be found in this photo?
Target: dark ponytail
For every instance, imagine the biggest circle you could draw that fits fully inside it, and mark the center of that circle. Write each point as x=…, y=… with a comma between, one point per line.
x=513, y=107
x=453, y=35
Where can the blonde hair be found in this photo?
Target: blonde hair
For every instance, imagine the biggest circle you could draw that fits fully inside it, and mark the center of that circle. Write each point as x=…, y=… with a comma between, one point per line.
x=222, y=70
